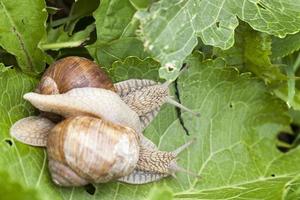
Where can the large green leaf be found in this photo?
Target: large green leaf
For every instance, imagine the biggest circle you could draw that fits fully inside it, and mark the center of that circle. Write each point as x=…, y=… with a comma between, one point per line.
x=22, y=26
x=116, y=37
x=170, y=28
x=235, y=152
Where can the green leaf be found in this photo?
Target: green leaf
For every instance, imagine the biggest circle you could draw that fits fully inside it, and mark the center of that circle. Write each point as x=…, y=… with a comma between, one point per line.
x=140, y=4
x=239, y=160
x=2, y=68
x=251, y=52
x=58, y=38
x=288, y=91
x=81, y=8
x=9, y=188
x=112, y=19
x=22, y=26
x=119, y=49
x=116, y=37
x=133, y=67
x=169, y=30
x=159, y=193
x=282, y=47
x=52, y=10
x=235, y=152
x=293, y=189
x=282, y=92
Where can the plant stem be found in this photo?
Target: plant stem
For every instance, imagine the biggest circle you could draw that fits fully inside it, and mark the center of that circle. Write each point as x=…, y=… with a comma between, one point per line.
x=290, y=70
x=56, y=46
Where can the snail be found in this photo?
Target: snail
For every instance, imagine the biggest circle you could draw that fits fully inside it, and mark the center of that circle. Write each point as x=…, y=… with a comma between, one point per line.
x=95, y=128
x=86, y=149
x=86, y=100
x=143, y=96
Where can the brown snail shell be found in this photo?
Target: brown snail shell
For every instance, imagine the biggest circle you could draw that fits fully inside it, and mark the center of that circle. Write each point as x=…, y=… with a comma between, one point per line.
x=73, y=72
x=86, y=149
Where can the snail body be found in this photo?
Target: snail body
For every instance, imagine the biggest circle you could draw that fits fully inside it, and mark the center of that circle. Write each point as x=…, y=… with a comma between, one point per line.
x=143, y=96
x=96, y=102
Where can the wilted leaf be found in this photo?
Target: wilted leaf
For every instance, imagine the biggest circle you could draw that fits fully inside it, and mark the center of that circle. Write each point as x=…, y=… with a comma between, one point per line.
x=22, y=26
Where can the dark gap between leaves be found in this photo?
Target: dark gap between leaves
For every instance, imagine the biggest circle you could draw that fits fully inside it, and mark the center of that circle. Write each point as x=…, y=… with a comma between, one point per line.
x=273, y=175
x=83, y=23
x=289, y=139
x=8, y=141
x=218, y=24
x=295, y=128
x=286, y=137
x=90, y=188
x=7, y=59
x=178, y=110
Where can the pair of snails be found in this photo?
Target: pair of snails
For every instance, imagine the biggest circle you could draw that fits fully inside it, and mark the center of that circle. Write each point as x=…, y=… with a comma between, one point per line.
x=92, y=128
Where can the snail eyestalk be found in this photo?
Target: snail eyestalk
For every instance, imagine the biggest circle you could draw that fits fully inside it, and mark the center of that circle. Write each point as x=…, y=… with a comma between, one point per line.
x=173, y=167
x=169, y=99
x=183, y=147
x=182, y=107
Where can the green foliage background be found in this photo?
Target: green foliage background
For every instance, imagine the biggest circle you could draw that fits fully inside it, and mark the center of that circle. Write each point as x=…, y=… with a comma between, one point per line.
x=242, y=61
